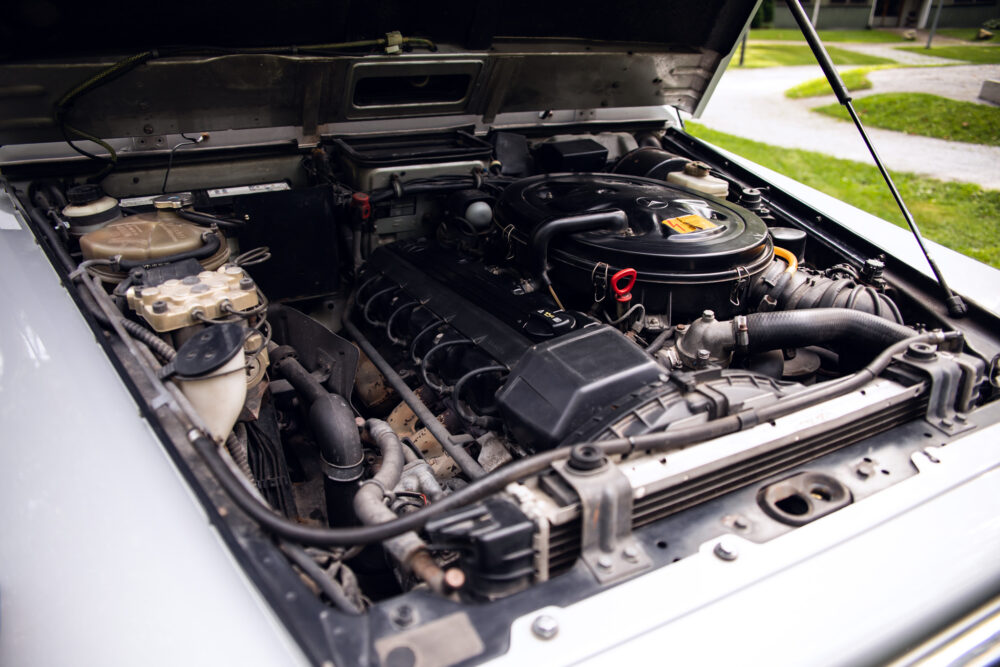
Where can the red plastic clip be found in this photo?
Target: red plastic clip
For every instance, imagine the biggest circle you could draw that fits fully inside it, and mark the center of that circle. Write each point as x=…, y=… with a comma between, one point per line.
x=622, y=294
x=362, y=203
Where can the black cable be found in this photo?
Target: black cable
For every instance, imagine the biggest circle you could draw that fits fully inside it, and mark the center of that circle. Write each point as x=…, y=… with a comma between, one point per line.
x=462, y=381
x=392, y=318
x=370, y=301
x=170, y=159
x=658, y=342
x=420, y=334
x=441, y=389
x=204, y=219
x=330, y=588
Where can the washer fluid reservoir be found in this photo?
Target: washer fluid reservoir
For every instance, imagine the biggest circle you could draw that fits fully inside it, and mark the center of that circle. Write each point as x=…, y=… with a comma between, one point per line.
x=696, y=176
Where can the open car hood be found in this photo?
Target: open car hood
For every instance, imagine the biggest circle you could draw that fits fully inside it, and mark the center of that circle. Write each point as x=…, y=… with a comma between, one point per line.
x=219, y=69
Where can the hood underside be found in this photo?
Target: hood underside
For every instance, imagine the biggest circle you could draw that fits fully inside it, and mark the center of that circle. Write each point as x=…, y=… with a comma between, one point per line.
x=220, y=67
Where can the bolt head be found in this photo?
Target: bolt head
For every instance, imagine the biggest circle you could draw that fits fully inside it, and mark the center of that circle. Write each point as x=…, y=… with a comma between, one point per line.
x=604, y=562
x=631, y=554
x=708, y=316
x=545, y=626
x=726, y=549
x=159, y=307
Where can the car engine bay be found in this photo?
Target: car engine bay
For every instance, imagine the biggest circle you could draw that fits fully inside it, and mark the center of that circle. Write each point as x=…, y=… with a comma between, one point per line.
x=456, y=372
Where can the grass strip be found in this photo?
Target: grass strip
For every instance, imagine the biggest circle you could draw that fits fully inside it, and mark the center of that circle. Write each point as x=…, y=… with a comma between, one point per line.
x=980, y=55
x=785, y=55
x=926, y=115
x=857, y=36
x=854, y=79
x=961, y=216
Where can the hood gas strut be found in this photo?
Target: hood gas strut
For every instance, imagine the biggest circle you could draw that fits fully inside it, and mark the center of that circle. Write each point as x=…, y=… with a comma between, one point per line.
x=956, y=307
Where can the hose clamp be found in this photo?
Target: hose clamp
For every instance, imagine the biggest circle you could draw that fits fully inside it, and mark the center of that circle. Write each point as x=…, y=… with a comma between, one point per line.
x=741, y=332
x=386, y=493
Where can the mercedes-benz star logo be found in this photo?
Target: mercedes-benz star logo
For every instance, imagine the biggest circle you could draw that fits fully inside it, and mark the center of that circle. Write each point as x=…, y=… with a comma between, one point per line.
x=646, y=202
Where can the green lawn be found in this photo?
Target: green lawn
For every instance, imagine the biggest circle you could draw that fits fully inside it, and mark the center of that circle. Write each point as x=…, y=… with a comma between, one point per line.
x=960, y=216
x=981, y=55
x=778, y=55
x=854, y=79
x=927, y=115
x=792, y=35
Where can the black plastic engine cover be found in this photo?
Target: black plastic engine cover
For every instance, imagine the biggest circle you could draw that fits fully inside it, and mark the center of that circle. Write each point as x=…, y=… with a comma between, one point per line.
x=558, y=385
x=676, y=239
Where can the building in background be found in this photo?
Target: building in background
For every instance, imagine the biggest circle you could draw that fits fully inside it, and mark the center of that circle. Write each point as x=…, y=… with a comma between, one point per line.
x=892, y=13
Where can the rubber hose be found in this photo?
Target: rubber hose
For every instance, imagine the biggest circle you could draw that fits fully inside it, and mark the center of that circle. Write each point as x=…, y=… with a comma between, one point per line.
x=368, y=501
x=798, y=328
x=612, y=219
x=209, y=248
x=150, y=339
x=332, y=421
x=39, y=218
x=801, y=290
x=385, y=194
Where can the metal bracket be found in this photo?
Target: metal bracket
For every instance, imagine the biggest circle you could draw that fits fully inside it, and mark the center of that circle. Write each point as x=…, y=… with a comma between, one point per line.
x=607, y=545
x=952, y=379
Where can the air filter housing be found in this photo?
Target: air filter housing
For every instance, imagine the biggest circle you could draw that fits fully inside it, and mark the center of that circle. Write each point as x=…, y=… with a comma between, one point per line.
x=691, y=251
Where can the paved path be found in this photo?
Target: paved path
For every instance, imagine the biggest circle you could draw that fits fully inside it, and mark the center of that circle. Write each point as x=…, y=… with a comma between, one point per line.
x=962, y=82
x=751, y=103
x=889, y=51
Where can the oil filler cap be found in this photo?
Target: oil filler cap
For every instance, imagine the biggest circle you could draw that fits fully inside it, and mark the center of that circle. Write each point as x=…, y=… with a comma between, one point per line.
x=209, y=349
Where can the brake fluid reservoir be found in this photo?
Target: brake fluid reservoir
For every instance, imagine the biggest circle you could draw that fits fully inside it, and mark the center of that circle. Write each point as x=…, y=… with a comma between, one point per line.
x=696, y=176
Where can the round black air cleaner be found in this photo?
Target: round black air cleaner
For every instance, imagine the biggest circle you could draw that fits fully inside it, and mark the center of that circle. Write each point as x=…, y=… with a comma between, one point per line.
x=691, y=251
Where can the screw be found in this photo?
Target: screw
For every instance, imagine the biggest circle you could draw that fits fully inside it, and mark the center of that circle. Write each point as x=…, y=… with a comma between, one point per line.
x=726, y=549
x=604, y=562
x=631, y=554
x=159, y=307
x=246, y=283
x=148, y=129
x=545, y=626
x=741, y=523
x=947, y=423
x=960, y=417
x=708, y=316
x=403, y=615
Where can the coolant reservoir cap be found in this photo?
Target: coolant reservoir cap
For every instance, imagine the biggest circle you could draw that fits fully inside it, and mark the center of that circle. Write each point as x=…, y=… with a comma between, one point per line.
x=209, y=350
x=173, y=201
x=84, y=194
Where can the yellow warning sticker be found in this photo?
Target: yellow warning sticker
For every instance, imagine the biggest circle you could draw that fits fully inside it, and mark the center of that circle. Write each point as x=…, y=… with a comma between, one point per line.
x=689, y=223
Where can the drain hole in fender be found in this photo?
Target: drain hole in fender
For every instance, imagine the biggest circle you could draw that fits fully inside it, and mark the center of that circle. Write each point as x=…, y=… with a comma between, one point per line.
x=803, y=497
x=794, y=504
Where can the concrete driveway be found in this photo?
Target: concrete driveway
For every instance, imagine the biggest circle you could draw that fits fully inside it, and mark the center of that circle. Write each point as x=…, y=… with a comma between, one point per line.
x=751, y=103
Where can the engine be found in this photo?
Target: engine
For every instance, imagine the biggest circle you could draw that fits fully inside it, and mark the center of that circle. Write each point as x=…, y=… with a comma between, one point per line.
x=532, y=351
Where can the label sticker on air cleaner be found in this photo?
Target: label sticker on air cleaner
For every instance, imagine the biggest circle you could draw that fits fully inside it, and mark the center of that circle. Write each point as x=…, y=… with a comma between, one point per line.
x=686, y=224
